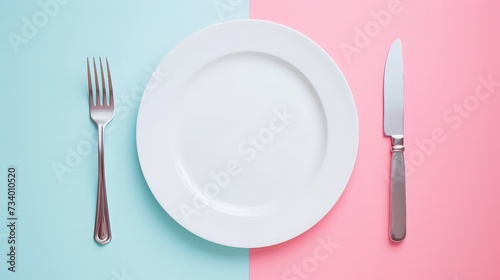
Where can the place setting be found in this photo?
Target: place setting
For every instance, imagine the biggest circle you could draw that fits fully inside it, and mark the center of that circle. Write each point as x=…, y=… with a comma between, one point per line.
x=253, y=139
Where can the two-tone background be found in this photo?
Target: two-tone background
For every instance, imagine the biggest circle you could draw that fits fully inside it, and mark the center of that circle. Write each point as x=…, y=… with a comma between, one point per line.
x=452, y=100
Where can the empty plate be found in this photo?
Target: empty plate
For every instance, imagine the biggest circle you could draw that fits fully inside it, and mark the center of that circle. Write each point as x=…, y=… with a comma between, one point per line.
x=252, y=137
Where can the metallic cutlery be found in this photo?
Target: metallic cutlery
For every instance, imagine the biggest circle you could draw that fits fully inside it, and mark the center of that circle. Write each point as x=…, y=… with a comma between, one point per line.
x=101, y=112
x=393, y=127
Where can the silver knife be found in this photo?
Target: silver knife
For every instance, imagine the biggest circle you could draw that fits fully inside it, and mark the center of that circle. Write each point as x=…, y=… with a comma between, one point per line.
x=393, y=127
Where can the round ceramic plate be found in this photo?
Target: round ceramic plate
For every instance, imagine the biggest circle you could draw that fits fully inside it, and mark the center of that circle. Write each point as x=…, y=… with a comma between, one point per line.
x=247, y=134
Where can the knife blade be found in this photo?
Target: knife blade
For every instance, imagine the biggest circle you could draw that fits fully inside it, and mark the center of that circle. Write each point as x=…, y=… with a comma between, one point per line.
x=393, y=127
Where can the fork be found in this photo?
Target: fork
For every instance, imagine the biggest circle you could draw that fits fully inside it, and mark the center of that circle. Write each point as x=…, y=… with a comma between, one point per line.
x=101, y=112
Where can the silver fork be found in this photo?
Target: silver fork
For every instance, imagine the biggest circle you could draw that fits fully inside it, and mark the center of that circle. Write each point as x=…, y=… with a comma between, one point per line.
x=101, y=112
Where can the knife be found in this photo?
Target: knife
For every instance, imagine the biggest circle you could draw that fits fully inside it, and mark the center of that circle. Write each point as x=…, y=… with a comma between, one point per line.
x=393, y=127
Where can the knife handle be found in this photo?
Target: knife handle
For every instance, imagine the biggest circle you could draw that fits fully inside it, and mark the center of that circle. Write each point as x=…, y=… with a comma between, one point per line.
x=398, y=191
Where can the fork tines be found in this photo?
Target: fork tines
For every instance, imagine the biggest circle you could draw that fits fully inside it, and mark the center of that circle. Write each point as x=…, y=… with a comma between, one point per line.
x=104, y=99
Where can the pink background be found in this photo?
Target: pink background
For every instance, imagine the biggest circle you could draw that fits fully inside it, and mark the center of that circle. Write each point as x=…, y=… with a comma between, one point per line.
x=453, y=185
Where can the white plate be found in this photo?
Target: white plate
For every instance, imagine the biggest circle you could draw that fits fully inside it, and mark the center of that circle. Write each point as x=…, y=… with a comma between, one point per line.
x=251, y=138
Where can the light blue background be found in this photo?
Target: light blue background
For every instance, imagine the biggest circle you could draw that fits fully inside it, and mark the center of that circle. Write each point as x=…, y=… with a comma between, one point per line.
x=44, y=116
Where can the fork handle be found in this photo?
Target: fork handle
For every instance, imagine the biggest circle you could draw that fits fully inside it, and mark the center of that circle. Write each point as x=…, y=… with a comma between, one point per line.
x=102, y=230
x=398, y=192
